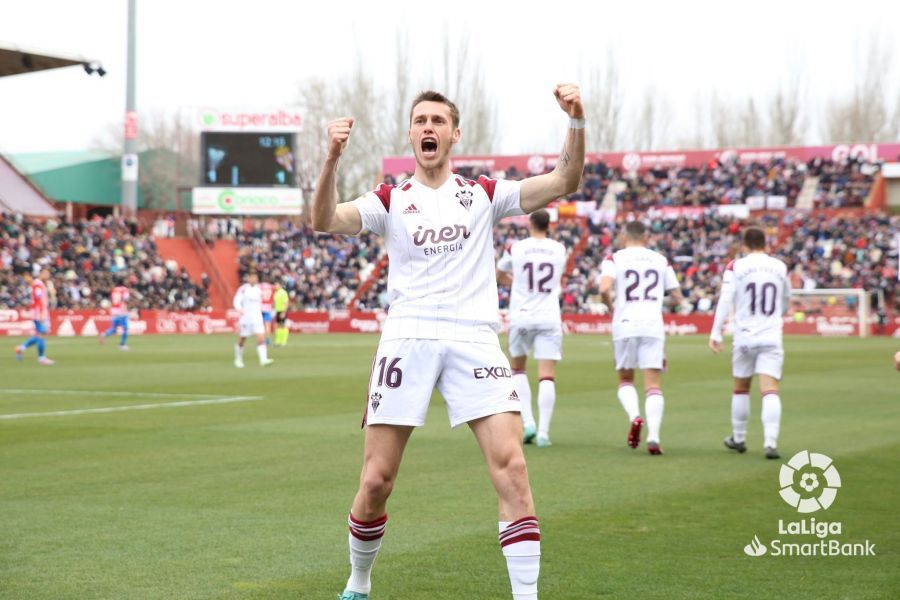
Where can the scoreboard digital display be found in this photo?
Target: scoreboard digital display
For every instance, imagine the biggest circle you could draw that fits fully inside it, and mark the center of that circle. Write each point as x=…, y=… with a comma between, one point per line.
x=234, y=159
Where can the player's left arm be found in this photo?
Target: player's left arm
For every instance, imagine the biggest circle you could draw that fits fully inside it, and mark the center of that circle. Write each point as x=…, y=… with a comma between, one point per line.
x=786, y=295
x=539, y=191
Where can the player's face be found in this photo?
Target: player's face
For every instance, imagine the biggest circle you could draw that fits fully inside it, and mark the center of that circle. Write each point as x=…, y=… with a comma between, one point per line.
x=253, y=279
x=432, y=133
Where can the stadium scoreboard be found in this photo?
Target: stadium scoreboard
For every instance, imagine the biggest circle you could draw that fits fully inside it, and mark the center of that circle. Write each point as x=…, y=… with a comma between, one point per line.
x=248, y=164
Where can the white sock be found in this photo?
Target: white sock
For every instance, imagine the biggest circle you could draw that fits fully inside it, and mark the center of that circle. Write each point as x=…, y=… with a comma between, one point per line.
x=628, y=397
x=238, y=353
x=546, y=402
x=520, y=542
x=653, y=408
x=261, y=352
x=740, y=413
x=771, y=418
x=523, y=389
x=363, y=550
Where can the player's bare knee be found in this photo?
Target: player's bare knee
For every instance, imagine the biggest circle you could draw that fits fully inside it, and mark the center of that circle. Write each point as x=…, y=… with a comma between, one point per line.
x=376, y=487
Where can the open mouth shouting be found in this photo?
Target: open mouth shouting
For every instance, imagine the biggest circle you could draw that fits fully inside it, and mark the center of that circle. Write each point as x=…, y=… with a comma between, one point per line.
x=429, y=145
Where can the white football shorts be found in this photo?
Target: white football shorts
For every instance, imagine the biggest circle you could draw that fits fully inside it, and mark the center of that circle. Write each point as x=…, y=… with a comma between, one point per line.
x=474, y=379
x=640, y=353
x=546, y=342
x=747, y=361
x=251, y=326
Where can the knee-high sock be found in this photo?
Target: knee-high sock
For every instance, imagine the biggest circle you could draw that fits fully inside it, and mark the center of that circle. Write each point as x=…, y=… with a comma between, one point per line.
x=771, y=418
x=41, y=344
x=546, y=402
x=262, y=353
x=31, y=341
x=653, y=408
x=281, y=336
x=109, y=332
x=523, y=389
x=124, y=337
x=628, y=397
x=238, y=352
x=740, y=413
x=520, y=542
x=365, y=541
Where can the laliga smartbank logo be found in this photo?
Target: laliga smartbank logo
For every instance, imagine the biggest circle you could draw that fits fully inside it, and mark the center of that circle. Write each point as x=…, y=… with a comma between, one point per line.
x=808, y=483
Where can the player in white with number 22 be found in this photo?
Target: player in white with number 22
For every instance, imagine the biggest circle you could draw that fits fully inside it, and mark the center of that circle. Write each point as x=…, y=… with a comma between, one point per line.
x=248, y=301
x=641, y=278
x=758, y=288
x=441, y=329
x=535, y=267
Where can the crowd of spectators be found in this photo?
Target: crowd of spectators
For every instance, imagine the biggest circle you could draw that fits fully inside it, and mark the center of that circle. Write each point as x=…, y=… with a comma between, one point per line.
x=319, y=272
x=844, y=183
x=86, y=259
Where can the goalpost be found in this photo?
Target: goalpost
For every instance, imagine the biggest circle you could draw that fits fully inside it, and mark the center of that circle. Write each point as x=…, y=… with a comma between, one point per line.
x=837, y=311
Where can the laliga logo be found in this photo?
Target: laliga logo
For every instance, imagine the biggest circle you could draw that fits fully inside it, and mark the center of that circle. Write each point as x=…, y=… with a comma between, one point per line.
x=809, y=482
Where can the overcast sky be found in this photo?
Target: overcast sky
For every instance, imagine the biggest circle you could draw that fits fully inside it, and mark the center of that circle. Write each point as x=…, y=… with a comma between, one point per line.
x=228, y=53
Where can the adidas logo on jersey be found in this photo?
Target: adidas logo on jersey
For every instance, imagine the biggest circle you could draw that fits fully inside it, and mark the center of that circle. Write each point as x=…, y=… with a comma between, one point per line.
x=411, y=210
x=513, y=396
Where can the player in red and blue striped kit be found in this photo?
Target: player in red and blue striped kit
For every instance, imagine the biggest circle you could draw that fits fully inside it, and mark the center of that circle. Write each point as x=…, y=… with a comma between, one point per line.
x=40, y=313
x=118, y=299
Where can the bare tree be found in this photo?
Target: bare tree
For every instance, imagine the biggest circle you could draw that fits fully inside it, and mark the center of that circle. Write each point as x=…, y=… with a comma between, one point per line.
x=750, y=132
x=863, y=115
x=736, y=125
x=464, y=83
x=400, y=97
x=604, y=111
x=787, y=126
x=651, y=122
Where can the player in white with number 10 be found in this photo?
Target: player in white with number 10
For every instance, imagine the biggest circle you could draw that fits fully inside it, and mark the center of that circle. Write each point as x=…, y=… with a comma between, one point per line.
x=441, y=329
x=534, y=267
x=641, y=278
x=758, y=288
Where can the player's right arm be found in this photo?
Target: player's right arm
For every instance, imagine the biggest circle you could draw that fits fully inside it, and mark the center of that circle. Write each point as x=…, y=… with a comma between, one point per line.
x=723, y=308
x=505, y=268
x=238, y=301
x=607, y=282
x=327, y=215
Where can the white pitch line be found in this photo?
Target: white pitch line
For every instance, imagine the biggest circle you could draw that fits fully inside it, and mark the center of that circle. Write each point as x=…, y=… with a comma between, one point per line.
x=109, y=409
x=104, y=393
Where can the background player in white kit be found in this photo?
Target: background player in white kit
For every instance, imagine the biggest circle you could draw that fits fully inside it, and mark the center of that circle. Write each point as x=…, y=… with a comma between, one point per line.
x=758, y=288
x=248, y=300
x=641, y=278
x=441, y=329
x=534, y=267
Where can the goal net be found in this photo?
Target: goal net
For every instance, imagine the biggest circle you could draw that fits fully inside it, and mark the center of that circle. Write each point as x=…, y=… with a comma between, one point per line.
x=840, y=312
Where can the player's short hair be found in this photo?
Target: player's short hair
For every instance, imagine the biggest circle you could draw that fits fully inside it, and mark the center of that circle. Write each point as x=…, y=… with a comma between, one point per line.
x=540, y=219
x=636, y=230
x=755, y=238
x=432, y=96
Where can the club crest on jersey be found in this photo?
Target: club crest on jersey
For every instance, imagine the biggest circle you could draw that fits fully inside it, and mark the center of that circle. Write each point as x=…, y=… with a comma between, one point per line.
x=376, y=401
x=465, y=198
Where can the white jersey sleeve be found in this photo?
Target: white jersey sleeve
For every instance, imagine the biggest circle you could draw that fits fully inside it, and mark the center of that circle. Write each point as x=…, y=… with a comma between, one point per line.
x=505, y=263
x=373, y=209
x=671, y=280
x=723, y=307
x=505, y=197
x=238, y=301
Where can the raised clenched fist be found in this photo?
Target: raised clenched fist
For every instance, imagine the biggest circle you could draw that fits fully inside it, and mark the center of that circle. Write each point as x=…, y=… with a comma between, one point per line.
x=569, y=97
x=338, y=135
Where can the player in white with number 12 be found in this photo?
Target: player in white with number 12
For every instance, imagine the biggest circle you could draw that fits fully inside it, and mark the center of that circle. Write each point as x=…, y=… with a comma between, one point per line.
x=535, y=266
x=758, y=288
x=248, y=301
x=641, y=278
x=441, y=329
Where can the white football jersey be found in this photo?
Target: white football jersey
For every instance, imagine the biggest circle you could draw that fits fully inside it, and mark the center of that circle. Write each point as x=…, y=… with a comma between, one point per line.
x=248, y=299
x=537, y=265
x=441, y=279
x=642, y=279
x=757, y=286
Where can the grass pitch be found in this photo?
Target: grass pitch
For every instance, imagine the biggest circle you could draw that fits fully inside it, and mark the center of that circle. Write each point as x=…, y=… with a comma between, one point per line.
x=239, y=488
